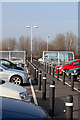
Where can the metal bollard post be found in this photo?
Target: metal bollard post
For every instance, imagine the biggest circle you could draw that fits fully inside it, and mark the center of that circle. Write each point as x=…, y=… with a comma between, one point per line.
x=50, y=69
x=39, y=80
x=69, y=107
x=53, y=71
x=37, y=76
x=63, y=77
x=57, y=73
x=52, y=98
x=72, y=81
x=44, y=88
x=47, y=68
x=44, y=65
x=32, y=70
x=34, y=73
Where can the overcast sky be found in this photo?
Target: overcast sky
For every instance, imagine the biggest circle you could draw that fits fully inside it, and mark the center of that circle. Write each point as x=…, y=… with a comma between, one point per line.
x=51, y=17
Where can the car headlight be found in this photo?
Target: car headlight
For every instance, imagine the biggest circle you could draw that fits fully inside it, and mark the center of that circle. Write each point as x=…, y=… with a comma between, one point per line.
x=24, y=96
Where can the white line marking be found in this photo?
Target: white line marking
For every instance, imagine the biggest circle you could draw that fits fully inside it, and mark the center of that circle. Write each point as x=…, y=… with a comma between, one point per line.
x=68, y=85
x=32, y=90
x=33, y=93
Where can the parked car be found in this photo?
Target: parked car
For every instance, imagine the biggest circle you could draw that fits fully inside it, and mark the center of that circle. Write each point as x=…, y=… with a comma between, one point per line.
x=16, y=60
x=11, y=90
x=12, y=75
x=76, y=72
x=20, y=110
x=40, y=59
x=70, y=65
x=10, y=64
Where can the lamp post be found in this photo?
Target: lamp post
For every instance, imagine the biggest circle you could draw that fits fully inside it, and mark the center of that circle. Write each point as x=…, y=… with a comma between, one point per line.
x=47, y=42
x=31, y=38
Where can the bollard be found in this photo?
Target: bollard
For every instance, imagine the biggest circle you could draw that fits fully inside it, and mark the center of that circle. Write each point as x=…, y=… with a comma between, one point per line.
x=57, y=73
x=43, y=65
x=64, y=77
x=47, y=68
x=39, y=80
x=34, y=73
x=53, y=71
x=72, y=81
x=69, y=107
x=37, y=76
x=50, y=69
x=52, y=98
x=44, y=88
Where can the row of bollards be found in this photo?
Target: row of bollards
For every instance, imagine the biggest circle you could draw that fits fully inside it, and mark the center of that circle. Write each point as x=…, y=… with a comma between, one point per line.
x=69, y=98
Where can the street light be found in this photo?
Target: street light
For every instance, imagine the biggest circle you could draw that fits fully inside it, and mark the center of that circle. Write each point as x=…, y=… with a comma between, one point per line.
x=31, y=38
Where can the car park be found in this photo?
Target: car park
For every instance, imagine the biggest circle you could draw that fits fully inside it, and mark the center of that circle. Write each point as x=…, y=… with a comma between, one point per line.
x=10, y=64
x=70, y=65
x=76, y=72
x=11, y=90
x=12, y=75
x=20, y=110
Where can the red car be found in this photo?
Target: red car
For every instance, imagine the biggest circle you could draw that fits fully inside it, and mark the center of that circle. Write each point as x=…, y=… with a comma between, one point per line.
x=70, y=65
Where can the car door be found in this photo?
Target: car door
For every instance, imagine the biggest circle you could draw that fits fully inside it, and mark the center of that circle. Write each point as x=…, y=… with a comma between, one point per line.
x=3, y=74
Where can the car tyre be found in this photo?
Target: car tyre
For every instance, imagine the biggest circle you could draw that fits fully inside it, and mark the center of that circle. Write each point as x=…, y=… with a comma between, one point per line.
x=16, y=80
x=78, y=77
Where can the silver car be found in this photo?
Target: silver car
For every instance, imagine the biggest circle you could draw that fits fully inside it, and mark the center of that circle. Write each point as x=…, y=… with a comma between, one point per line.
x=11, y=90
x=12, y=75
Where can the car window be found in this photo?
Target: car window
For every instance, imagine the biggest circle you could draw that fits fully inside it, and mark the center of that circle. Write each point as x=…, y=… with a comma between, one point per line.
x=4, y=62
x=76, y=63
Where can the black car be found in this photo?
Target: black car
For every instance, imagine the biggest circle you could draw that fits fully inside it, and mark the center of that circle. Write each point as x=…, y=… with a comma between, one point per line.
x=12, y=109
x=76, y=72
x=10, y=64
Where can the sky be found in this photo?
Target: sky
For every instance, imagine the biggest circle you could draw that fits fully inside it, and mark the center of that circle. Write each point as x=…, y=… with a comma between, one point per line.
x=50, y=17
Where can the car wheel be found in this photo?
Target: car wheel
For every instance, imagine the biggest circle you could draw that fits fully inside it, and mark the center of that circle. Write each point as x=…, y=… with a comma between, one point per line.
x=78, y=77
x=16, y=80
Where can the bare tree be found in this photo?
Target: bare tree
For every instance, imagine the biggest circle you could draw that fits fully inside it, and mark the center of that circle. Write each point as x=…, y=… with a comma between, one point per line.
x=9, y=44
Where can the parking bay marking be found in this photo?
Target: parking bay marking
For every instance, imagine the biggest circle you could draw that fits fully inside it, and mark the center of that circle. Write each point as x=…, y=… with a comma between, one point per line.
x=69, y=85
x=33, y=93
x=32, y=90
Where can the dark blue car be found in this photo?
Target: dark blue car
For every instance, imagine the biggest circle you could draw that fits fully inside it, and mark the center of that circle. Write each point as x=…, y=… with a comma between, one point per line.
x=19, y=110
x=76, y=71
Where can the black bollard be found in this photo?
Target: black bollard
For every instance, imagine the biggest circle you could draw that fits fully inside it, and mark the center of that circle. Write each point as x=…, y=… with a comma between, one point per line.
x=50, y=69
x=47, y=68
x=52, y=98
x=39, y=80
x=53, y=71
x=44, y=88
x=72, y=81
x=57, y=73
x=34, y=73
x=64, y=77
x=37, y=76
x=69, y=107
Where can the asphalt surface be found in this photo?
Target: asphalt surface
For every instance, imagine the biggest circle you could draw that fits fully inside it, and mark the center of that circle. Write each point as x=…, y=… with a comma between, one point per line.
x=61, y=91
